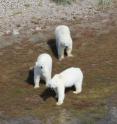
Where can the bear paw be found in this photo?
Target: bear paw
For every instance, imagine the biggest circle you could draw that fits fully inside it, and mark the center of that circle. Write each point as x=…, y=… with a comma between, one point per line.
x=70, y=55
x=76, y=92
x=36, y=87
x=59, y=103
x=61, y=58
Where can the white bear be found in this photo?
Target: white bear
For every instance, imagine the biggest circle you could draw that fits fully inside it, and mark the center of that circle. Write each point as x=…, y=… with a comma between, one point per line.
x=67, y=78
x=63, y=41
x=42, y=69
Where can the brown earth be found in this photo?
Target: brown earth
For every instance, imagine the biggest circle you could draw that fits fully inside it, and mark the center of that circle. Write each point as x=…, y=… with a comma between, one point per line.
x=94, y=52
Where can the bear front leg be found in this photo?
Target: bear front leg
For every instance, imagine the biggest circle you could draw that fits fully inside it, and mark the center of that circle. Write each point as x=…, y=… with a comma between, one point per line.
x=36, y=81
x=61, y=95
x=47, y=77
x=60, y=52
x=36, y=78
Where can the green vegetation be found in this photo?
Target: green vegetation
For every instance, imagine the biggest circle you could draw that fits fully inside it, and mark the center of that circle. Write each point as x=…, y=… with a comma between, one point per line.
x=104, y=3
x=64, y=1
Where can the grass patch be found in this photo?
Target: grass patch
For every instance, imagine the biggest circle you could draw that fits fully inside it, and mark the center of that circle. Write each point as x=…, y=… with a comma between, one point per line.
x=104, y=3
x=16, y=13
x=19, y=91
x=64, y=2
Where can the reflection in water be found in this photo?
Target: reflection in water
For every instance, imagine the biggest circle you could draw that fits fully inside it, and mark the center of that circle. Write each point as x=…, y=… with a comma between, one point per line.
x=63, y=116
x=113, y=114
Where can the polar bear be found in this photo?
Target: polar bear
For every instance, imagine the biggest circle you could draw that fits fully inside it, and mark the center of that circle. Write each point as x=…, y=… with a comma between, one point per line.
x=63, y=41
x=42, y=69
x=67, y=78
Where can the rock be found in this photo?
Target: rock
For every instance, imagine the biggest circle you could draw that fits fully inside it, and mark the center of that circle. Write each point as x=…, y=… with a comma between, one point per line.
x=34, y=20
x=32, y=30
x=38, y=28
x=8, y=32
x=15, y=32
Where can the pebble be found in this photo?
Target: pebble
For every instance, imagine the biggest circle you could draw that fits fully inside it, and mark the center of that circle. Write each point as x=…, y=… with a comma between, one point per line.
x=38, y=28
x=8, y=32
x=15, y=32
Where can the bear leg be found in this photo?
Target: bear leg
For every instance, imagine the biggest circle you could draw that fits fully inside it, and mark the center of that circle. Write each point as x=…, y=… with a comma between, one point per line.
x=36, y=79
x=78, y=87
x=61, y=53
x=69, y=52
x=61, y=95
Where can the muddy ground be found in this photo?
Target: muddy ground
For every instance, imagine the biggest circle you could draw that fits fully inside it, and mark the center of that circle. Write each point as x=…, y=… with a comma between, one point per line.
x=95, y=52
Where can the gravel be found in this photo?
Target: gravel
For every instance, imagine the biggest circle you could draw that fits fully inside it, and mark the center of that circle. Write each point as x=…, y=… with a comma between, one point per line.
x=31, y=13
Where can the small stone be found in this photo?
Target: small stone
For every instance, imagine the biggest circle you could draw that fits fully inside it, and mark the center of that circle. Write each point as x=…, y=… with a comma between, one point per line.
x=32, y=30
x=105, y=21
x=15, y=32
x=38, y=28
x=34, y=20
x=8, y=32
x=18, y=25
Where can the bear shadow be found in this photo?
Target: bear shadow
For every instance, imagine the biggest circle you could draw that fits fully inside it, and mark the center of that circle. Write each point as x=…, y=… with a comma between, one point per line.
x=52, y=45
x=30, y=78
x=48, y=92
x=68, y=89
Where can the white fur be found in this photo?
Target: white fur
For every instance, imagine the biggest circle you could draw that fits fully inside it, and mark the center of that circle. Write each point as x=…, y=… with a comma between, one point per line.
x=42, y=69
x=63, y=41
x=67, y=78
